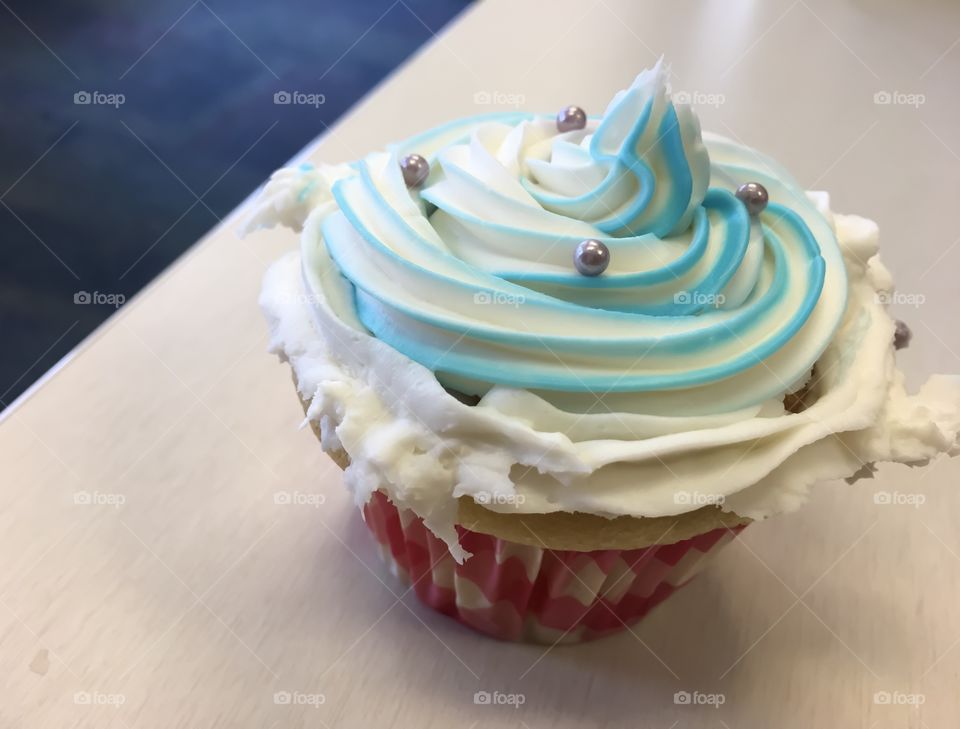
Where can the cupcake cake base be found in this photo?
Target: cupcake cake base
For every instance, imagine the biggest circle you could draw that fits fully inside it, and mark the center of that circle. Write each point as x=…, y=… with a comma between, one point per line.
x=520, y=592
x=544, y=578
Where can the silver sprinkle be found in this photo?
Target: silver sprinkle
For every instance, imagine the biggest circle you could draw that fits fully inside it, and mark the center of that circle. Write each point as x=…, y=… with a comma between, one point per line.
x=571, y=118
x=754, y=196
x=415, y=170
x=591, y=257
x=902, y=335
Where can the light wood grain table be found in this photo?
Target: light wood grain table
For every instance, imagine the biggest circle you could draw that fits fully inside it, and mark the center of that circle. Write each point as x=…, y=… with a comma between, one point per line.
x=150, y=580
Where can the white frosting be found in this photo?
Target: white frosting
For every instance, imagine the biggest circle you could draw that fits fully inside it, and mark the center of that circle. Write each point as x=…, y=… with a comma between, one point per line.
x=406, y=435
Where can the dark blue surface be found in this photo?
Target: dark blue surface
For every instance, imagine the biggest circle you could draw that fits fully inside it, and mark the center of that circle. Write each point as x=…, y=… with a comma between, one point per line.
x=114, y=201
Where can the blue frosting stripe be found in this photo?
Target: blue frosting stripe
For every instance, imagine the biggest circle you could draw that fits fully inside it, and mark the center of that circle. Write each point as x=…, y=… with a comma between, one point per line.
x=678, y=180
x=638, y=215
x=380, y=313
x=622, y=164
x=672, y=270
x=736, y=225
x=422, y=262
x=556, y=374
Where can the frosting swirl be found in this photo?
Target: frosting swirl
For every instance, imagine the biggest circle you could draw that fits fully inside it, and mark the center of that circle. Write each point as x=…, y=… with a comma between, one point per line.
x=472, y=277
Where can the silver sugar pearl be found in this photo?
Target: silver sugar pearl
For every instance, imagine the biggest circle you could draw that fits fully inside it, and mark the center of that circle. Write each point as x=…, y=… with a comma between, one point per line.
x=902, y=336
x=415, y=170
x=754, y=196
x=591, y=257
x=571, y=118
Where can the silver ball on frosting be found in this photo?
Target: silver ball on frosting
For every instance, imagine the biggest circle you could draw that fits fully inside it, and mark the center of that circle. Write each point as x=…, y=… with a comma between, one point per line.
x=591, y=257
x=415, y=170
x=571, y=118
x=754, y=196
x=902, y=335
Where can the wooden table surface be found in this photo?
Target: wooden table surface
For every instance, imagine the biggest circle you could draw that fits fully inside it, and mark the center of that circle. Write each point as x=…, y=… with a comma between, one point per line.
x=150, y=580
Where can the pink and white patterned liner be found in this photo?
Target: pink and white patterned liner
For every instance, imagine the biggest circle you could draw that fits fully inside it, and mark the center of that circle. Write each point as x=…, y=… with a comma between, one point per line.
x=522, y=593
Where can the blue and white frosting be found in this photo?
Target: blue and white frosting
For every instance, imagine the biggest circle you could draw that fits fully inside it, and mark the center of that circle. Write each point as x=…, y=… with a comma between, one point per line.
x=643, y=171
x=599, y=394
x=472, y=275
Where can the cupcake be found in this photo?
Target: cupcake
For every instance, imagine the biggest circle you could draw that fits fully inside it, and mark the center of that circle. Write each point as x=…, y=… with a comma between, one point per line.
x=563, y=359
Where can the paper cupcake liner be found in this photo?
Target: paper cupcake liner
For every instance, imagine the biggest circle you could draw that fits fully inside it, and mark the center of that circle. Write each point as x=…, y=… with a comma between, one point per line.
x=518, y=592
